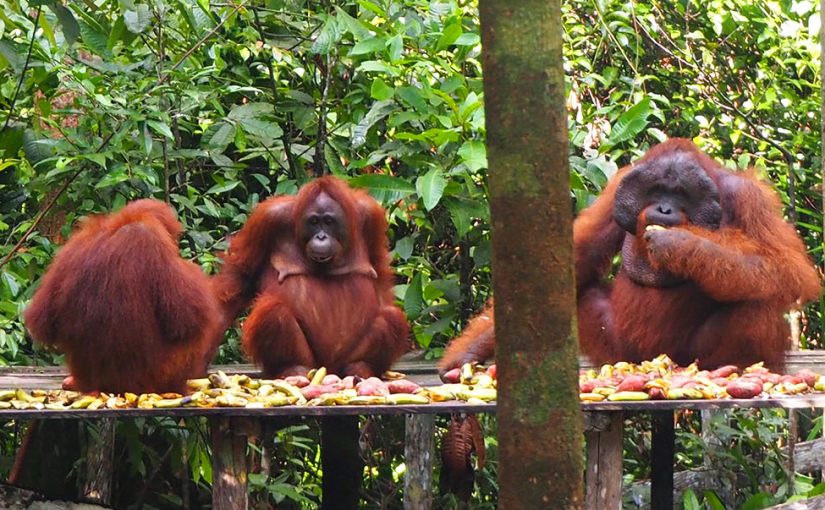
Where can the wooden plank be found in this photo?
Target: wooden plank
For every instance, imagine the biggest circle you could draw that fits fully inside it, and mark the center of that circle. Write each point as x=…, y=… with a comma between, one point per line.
x=229, y=474
x=183, y=412
x=419, y=452
x=603, y=478
x=341, y=463
x=661, y=460
x=796, y=402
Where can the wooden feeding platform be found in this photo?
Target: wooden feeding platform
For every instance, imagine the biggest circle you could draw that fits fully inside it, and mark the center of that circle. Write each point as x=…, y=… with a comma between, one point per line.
x=231, y=427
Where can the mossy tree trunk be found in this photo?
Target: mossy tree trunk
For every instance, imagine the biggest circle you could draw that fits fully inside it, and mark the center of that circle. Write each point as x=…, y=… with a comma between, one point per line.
x=540, y=422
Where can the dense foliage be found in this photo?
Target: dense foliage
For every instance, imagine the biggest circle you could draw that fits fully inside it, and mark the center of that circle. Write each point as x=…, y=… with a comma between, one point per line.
x=216, y=105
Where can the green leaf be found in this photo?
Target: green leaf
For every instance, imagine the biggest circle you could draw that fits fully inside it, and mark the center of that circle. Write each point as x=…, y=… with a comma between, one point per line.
x=138, y=21
x=265, y=130
x=95, y=40
x=378, y=67
x=474, y=154
x=414, y=297
x=690, y=501
x=462, y=212
x=412, y=95
x=370, y=45
x=450, y=35
x=385, y=188
x=96, y=157
x=380, y=90
x=251, y=110
x=12, y=140
x=333, y=161
x=713, y=501
x=71, y=29
x=758, y=500
x=161, y=128
x=395, y=47
x=11, y=283
x=223, y=135
x=7, y=50
x=112, y=179
x=352, y=25
x=631, y=123
x=468, y=39
x=378, y=111
x=222, y=188
x=221, y=160
x=430, y=188
x=148, y=142
x=327, y=38
x=404, y=247
x=36, y=148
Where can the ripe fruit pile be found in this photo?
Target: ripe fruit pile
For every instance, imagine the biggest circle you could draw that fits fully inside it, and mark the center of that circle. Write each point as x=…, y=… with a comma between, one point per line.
x=657, y=379
x=660, y=379
x=222, y=390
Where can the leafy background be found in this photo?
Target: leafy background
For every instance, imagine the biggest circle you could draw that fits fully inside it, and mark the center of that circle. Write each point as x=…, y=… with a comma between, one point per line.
x=215, y=105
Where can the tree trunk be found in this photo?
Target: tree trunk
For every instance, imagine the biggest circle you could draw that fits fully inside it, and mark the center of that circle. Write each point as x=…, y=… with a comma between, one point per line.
x=540, y=421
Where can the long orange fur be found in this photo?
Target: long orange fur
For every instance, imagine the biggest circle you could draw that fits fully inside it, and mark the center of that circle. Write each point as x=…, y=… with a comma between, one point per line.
x=740, y=279
x=129, y=313
x=347, y=323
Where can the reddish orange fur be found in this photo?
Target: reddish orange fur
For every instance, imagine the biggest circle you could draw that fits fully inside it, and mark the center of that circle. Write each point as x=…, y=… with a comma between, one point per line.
x=129, y=313
x=303, y=316
x=741, y=278
x=476, y=343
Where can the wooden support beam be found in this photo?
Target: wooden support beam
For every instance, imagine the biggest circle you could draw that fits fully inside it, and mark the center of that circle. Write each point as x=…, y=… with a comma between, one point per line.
x=603, y=479
x=341, y=462
x=100, y=460
x=229, y=475
x=418, y=459
x=661, y=476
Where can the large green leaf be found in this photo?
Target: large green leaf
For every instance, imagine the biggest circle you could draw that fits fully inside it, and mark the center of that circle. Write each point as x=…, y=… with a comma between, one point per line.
x=161, y=128
x=430, y=188
x=414, y=297
x=370, y=45
x=631, y=123
x=36, y=147
x=224, y=134
x=138, y=20
x=450, y=35
x=380, y=90
x=71, y=29
x=251, y=111
x=385, y=188
x=328, y=37
x=9, y=52
x=352, y=25
x=378, y=111
x=474, y=154
x=94, y=39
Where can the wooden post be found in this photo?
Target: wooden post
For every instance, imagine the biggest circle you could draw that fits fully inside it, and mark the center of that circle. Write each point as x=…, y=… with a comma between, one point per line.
x=539, y=414
x=790, y=466
x=229, y=464
x=341, y=463
x=724, y=486
x=418, y=459
x=100, y=460
x=661, y=476
x=603, y=479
